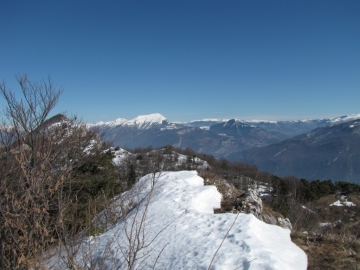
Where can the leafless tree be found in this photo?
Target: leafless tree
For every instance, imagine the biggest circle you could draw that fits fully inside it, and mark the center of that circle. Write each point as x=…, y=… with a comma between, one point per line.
x=36, y=159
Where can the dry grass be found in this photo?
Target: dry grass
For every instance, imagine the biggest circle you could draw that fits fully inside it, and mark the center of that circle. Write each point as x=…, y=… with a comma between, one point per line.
x=228, y=191
x=267, y=210
x=336, y=246
x=329, y=247
x=329, y=251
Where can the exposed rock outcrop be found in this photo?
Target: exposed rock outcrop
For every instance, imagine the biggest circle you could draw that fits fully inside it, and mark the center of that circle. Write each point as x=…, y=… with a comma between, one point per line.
x=284, y=222
x=269, y=219
x=250, y=203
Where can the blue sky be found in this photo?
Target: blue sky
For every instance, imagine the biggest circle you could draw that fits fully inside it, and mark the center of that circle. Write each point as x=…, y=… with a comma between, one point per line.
x=188, y=59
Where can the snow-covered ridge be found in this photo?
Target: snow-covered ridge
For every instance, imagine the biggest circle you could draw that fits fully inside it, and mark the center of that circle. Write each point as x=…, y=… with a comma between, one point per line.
x=145, y=121
x=259, y=121
x=116, y=122
x=335, y=120
x=141, y=121
x=345, y=118
x=180, y=218
x=210, y=120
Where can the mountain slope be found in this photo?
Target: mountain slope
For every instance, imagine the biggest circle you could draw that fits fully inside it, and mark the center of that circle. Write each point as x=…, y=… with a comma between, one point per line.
x=324, y=153
x=156, y=131
x=256, y=135
x=298, y=127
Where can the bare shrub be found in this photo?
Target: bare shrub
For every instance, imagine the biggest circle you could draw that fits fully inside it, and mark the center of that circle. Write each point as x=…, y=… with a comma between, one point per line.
x=37, y=184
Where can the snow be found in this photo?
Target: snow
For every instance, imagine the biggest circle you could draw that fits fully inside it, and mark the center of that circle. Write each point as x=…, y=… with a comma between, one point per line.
x=260, y=121
x=338, y=203
x=349, y=204
x=265, y=195
x=355, y=124
x=207, y=200
x=304, y=207
x=263, y=189
x=328, y=224
x=147, y=120
x=182, y=159
x=187, y=233
x=279, y=152
x=120, y=155
x=170, y=127
x=210, y=120
x=345, y=118
x=114, y=123
x=141, y=121
x=90, y=146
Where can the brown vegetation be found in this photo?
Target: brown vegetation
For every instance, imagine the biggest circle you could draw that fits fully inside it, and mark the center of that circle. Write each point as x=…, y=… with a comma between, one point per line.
x=45, y=174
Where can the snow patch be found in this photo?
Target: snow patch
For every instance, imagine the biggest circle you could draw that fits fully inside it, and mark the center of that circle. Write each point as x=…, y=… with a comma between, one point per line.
x=349, y=204
x=279, y=152
x=120, y=155
x=304, y=207
x=338, y=203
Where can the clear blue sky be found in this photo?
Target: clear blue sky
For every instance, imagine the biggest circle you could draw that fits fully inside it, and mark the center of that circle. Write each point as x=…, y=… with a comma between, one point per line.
x=188, y=59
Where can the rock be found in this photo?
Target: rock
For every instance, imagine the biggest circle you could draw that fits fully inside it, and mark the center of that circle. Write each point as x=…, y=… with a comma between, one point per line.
x=284, y=222
x=249, y=203
x=269, y=219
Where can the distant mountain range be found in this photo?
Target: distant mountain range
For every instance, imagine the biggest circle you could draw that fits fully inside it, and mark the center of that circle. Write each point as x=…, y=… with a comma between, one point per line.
x=290, y=128
x=256, y=142
x=331, y=152
x=215, y=137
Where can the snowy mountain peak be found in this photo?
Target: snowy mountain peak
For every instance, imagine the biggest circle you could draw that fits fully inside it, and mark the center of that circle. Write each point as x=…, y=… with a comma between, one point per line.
x=345, y=118
x=141, y=121
x=147, y=120
x=114, y=123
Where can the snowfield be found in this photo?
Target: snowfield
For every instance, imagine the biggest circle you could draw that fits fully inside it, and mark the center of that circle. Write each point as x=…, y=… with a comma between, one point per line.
x=182, y=232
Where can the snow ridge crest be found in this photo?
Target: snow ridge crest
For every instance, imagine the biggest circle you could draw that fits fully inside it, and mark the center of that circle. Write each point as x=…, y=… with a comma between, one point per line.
x=141, y=121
